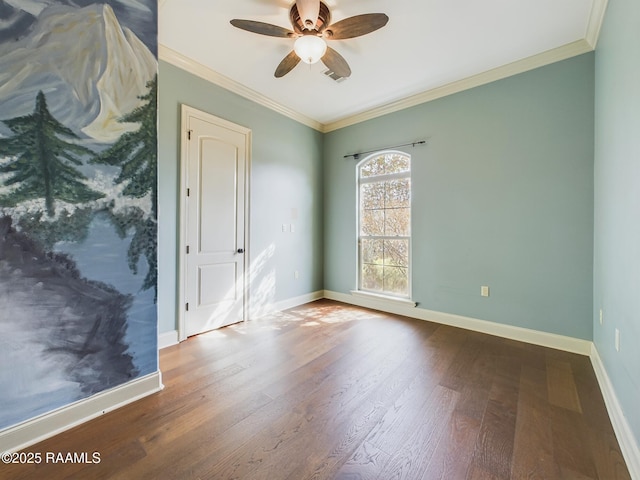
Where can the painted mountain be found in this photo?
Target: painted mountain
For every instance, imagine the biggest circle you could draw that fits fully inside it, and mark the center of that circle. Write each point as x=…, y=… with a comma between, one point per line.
x=140, y=16
x=78, y=196
x=90, y=69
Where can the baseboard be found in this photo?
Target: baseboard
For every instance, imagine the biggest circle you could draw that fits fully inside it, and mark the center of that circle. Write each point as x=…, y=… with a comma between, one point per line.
x=286, y=304
x=166, y=339
x=628, y=443
x=545, y=339
x=52, y=423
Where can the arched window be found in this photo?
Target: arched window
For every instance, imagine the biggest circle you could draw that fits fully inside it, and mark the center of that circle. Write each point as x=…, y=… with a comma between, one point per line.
x=384, y=224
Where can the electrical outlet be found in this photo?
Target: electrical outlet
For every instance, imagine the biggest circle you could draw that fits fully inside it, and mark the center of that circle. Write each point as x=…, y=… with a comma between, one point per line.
x=600, y=316
x=295, y=275
x=285, y=227
x=617, y=340
x=484, y=291
x=293, y=228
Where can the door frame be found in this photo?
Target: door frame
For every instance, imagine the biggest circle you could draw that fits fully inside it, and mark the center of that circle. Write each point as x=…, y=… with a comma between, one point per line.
x=188, y=112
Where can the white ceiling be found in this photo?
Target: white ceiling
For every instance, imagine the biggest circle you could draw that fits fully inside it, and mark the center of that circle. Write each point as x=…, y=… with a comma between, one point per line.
x=426, y=44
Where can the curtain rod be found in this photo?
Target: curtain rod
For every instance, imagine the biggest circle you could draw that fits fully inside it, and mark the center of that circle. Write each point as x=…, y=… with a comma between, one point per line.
x=413, y=144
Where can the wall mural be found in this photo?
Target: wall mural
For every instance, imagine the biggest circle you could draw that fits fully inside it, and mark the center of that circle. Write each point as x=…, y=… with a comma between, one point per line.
x=78, y=197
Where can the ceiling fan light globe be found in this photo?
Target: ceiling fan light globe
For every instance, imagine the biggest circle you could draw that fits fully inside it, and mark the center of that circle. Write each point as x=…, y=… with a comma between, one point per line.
x=310, y=48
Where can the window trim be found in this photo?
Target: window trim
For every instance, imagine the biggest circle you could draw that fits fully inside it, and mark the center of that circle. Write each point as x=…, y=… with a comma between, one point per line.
x=384, y=300
x=404, y=299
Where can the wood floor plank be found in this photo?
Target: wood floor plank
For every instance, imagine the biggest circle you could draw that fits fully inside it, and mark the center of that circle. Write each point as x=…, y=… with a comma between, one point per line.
x=494, y=446
x=461, y=368
x=561, y=386
x=570, y=446
x=475, y=390
x=365, y=464
x=533, y=445
x=455, y=450
x=607, y=458
x=591, y=400
x=415, y=447
x=328, y=391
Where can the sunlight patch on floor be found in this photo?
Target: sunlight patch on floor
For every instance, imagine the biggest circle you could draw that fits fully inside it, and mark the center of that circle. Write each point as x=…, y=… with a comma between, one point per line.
x=213, y=335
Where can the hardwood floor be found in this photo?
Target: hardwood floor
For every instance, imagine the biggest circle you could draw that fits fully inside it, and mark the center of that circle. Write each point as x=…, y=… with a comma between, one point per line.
x=329, y=391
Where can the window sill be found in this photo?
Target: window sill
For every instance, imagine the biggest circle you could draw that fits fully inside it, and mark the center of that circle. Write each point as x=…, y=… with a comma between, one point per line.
x=391, y=301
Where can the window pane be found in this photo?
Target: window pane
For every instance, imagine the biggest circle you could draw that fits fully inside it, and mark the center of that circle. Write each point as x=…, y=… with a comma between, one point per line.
x=396, y=280
x=396, y=253
x=373, y=167
x=385, y=164
x=372, y=195
x=395, y=163
x=372, y=222
x=371, y=277
x=397, y=222
x=372, y=251
x=397, y=193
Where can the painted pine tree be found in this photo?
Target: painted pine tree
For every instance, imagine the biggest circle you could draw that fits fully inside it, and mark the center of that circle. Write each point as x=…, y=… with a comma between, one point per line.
x=42, y=164
x=136, y=154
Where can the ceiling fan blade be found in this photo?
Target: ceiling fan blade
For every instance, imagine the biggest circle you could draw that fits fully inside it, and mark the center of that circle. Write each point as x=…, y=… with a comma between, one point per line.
x=287, y=64
x=356, y=26
x=262, y=28
x=309, y=11
x=336, y=63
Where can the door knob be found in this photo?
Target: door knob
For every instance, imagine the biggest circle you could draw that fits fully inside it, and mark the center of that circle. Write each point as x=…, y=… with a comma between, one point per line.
x=241, y=250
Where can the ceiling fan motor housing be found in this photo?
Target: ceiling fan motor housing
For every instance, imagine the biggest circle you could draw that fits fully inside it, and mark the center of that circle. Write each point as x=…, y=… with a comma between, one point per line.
x=324, y=19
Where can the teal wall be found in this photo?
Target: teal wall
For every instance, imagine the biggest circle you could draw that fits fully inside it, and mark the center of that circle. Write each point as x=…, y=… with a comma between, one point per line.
x=502, y=196
x=286, y=188
x=617, y=202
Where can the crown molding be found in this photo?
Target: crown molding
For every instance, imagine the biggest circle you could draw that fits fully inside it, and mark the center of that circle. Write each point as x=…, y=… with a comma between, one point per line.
x=545, y=58
x=535, y=61
x=177, y=59
x=596, y=18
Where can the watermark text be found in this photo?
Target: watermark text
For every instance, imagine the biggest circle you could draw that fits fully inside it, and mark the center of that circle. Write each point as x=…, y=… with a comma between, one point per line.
x=25, y=458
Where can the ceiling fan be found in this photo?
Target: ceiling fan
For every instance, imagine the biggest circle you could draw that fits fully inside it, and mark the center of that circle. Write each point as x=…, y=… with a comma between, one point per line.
x=310, y=20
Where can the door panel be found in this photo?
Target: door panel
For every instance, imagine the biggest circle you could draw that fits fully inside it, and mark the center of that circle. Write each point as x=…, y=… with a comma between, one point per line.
x=214, y=281
x=218, y=206
x=216, y=156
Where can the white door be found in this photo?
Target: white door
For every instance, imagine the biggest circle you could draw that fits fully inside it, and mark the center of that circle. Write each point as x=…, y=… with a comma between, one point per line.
x=215, y=162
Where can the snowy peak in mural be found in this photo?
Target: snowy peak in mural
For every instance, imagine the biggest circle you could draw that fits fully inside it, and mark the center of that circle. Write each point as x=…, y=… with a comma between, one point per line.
x=94, y=70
